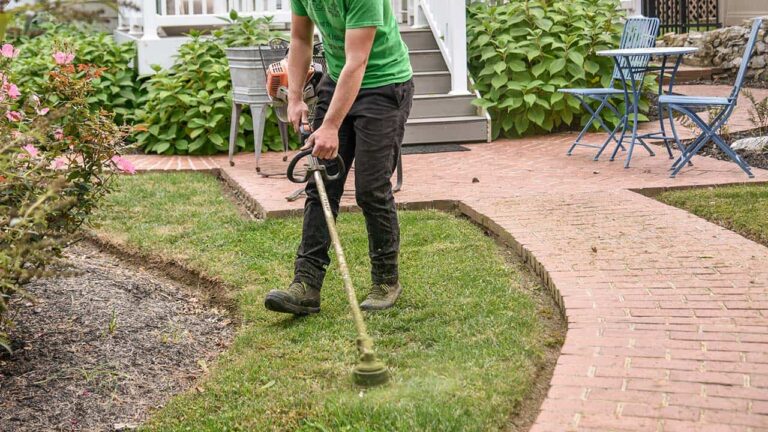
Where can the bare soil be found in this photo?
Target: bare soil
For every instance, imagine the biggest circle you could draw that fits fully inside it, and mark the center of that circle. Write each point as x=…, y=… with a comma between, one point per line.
x=103, y=344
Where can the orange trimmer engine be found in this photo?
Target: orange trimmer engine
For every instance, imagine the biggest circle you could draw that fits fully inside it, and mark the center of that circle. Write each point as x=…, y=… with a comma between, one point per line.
x=277, y=76
x=277, y=87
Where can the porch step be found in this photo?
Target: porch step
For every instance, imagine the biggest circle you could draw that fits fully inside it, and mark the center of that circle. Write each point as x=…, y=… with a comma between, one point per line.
x=443, y=105
x=432, y=82
x=418, y=39
x=427, y=61
x=446, y=129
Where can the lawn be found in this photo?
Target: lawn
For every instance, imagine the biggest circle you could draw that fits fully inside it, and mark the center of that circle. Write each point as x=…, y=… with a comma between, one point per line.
x=742, y=208
x=464, y=343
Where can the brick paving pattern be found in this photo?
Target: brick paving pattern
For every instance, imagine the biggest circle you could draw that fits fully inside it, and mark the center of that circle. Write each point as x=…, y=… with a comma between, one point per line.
x=667, y=313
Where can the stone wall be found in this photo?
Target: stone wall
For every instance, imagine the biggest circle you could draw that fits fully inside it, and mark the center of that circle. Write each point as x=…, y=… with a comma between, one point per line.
x=722, y=49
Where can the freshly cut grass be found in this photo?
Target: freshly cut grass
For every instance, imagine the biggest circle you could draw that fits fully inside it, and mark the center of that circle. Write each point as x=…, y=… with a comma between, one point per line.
x=464, y=342
x=742, y=208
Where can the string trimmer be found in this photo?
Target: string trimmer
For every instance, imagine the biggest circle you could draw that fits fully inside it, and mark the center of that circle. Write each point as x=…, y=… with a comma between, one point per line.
x=369, y=371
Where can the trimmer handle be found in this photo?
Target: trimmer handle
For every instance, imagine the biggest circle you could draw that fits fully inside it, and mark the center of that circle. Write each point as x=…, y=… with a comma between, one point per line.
x=313, y=163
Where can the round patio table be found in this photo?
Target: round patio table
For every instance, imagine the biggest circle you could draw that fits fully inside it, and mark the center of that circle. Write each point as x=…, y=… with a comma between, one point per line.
x=633, y=64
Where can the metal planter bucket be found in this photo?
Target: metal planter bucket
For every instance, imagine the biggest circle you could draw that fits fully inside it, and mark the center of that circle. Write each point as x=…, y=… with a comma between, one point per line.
x=249, y=82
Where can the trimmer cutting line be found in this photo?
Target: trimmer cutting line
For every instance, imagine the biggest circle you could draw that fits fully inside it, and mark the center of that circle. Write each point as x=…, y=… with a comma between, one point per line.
x=369, y=371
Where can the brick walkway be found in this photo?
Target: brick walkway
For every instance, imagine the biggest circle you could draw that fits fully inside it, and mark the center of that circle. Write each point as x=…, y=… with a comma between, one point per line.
x=667, y=313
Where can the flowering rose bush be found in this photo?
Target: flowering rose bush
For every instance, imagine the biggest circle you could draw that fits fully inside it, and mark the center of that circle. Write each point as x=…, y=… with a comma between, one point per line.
x=57, y=157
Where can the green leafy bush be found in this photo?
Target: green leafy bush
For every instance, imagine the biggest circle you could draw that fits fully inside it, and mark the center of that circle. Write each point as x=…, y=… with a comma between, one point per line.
x=521, y=52
x=188, y=109
x=117, y=90
x=57, y=156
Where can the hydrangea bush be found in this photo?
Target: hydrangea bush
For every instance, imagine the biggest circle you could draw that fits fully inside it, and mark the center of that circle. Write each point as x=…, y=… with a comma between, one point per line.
x=57, y=156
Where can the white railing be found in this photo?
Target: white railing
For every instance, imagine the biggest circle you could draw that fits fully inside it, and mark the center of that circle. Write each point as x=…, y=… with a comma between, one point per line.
x=448, y=21
x=144, y=17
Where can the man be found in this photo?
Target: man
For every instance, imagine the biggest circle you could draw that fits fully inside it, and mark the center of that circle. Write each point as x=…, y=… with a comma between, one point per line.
x=364, y=102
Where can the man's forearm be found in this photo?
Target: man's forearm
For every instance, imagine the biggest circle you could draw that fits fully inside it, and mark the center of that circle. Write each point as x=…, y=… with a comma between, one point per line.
x=299, y=57
x=350, y=80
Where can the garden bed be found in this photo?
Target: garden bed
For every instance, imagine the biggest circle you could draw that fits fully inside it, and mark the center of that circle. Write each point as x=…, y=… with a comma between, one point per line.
x=103, y=344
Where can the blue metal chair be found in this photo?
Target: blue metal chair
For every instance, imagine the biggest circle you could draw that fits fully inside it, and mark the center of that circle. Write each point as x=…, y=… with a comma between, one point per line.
x=684, y=105
x=639, y=32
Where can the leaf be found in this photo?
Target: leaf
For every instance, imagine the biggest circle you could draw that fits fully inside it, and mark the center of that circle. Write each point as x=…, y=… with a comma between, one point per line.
x=576, y=57
x=591, y=67
x=517, y=65
x=536, y=115
x=556, y=66
x=499, y=80
x=530, y=99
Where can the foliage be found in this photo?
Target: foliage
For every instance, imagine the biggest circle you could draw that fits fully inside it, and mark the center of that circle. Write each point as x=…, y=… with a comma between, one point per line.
x=188, y=107
x=521, y=52
x=466, y=370
x=56, y=159
x=116, y=90
x=758, y=114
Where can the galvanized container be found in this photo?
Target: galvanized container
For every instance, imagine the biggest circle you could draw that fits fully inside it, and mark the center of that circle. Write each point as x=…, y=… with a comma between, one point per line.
x=249, y=81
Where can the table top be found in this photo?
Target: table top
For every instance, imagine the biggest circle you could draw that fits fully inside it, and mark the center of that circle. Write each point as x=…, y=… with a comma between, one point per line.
x=658, y=51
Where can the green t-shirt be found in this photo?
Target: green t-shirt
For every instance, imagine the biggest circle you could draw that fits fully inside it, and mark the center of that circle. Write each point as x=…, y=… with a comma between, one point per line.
x=388, y=62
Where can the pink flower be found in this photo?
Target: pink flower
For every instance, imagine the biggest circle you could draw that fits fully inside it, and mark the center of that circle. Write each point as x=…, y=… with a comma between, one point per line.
x=124, y=164
x=13, y=116
x=42, y=111
x=60, y=163
x=58, y=134
x=32, y=150
x=13, y=91
x=7, y=51
x=62, y=58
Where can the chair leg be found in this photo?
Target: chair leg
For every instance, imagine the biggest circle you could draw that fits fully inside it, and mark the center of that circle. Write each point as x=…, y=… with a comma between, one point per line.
x=624, y=123
x=733, y=155
x=234, y=126
x=608, y=140
x=284, y=137
x=258, y=115
x=686, y=157
x=589, y=123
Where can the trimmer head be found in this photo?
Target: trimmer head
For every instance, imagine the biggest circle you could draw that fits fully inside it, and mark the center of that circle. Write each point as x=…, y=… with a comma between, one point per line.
x=369, y=371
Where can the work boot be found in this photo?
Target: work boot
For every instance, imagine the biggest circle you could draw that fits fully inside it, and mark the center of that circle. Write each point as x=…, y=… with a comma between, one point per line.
x=382, y=296
x=298, y=299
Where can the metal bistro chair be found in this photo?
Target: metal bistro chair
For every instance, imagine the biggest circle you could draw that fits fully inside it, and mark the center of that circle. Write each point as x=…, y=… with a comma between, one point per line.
x=639, y=32
x=683, y=104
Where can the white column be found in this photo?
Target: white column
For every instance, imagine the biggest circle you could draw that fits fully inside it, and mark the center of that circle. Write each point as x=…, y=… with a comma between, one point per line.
x=149, y=18
x=418, y=14
x=457, y=30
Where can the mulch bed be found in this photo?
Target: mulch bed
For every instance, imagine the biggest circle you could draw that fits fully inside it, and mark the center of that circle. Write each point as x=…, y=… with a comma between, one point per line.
x=103, y=344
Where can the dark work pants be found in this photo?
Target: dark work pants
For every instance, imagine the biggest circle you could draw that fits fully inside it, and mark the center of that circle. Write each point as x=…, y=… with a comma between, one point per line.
x=371, y=136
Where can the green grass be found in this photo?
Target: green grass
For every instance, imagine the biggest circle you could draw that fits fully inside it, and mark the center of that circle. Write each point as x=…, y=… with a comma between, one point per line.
x=464, y=342
x=743, y=208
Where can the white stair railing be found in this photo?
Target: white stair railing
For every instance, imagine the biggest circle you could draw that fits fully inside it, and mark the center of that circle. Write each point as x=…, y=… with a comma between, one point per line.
x=448, y=21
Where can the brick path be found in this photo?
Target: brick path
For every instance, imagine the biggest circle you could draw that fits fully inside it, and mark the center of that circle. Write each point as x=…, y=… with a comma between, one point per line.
x=667, y=313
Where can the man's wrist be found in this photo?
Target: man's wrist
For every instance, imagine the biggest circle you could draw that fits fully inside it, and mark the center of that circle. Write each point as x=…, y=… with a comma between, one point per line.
x=331, y=123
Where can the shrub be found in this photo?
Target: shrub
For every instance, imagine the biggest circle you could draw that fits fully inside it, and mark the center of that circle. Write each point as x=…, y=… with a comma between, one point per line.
x=188, y=109
x=116, y=90
x=56, y=159
x=521, y=52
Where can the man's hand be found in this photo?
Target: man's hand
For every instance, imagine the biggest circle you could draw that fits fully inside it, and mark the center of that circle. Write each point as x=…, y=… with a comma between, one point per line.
x=325, y=142
x=298, y=114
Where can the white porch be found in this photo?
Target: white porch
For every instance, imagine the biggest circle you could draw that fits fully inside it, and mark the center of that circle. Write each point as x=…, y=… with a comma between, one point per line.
x=158, y=26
